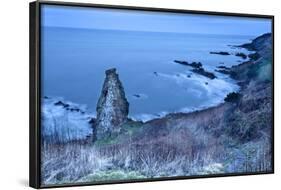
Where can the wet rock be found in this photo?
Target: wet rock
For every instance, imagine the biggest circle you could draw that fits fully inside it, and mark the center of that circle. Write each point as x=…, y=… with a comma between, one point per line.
x=92, y=121
x=137, y=95
x=254, y=56
x=60, y=103
x=181, y=62
x=193, y=64
x=242, y=55
x=220, y=52
x=202, y=72
x=226, y=71
x=222, y=67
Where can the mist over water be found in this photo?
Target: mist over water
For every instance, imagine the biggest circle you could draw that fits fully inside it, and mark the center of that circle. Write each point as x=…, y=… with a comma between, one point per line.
x=74, y=63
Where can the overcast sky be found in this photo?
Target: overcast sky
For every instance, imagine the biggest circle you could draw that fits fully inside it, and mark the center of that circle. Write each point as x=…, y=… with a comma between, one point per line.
x=97, y=18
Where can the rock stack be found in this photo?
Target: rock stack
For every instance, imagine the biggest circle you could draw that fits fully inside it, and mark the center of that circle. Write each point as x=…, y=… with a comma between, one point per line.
x=112, y=107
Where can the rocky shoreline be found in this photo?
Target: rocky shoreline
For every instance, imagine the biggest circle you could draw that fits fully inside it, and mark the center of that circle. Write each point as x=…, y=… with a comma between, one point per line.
x=197, y=68
x=238, y=72
x=120, y=103
x=232, y=137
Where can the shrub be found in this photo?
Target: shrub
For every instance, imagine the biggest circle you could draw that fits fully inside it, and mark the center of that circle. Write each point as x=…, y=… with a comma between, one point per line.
x=232, y=97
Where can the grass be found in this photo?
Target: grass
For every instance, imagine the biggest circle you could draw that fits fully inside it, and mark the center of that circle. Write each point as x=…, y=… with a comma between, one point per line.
x=107, y=141
x=131, y=127
x=128, y=129
x=112, y=175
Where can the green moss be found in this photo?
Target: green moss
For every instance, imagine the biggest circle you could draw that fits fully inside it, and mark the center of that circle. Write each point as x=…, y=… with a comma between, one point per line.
x=107, y=141
x=261, y=71
x=131, y=127
x=265, y=71
x=112, y=175
x=127, y=130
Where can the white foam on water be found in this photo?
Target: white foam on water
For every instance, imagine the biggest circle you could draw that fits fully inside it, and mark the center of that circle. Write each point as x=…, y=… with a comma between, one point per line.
x=215, y=91
x=62, y=124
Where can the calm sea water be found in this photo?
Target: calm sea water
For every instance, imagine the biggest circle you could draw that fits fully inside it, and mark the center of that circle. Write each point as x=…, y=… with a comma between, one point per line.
x=74, y=63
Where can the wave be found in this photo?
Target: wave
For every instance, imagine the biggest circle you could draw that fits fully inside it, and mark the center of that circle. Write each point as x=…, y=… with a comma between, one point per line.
x=214, y=90
x=64, y=120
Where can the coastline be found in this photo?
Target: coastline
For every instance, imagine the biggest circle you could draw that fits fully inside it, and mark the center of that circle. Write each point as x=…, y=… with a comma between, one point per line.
x=145, y=118
x=231, y=137
x=234, y=73
x=206, y=108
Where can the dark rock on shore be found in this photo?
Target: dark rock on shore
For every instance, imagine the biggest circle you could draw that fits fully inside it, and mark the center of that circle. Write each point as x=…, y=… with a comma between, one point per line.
x=181, y=62
x=220, y=52
x=112, y=107
x=92, y=121
x=68, y=107
x=224, y=70
x=196, y=64
x=137, y=95
x=193, y=64
x=74, y=109
x=60, y=103
x=242, y=55
x=197, y=68
x=201, y=71
x=222, y=67
x=254, y=56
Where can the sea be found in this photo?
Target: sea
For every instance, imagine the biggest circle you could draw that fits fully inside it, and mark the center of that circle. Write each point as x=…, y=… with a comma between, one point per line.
x=74, y=60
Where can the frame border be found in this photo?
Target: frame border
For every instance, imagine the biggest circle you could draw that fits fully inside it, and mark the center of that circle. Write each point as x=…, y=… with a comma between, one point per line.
x=35, y=91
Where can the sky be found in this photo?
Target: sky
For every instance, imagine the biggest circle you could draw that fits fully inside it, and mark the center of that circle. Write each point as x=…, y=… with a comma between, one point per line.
x=117, y=19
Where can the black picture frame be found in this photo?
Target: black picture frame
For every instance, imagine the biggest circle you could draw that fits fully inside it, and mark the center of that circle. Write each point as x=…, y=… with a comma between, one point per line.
x=35, y=92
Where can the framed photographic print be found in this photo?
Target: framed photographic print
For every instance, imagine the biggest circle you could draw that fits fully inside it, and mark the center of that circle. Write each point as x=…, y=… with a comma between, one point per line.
x=131, y=94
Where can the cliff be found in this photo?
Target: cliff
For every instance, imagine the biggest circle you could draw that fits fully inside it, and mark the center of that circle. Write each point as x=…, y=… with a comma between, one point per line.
x=258, y=68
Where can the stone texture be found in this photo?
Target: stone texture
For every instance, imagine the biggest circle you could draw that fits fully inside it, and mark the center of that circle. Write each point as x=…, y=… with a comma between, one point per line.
x=112, y=107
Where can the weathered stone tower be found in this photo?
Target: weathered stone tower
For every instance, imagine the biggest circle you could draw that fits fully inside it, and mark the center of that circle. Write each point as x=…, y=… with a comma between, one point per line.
x=112, y=107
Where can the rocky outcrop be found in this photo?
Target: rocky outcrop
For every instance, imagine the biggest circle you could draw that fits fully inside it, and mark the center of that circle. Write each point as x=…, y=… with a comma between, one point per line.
x=260, y=43
x=260, y=62
x=197, y=68
x=262, y=46
x=112, y=107
x=193, y=64
x=220, y=52
x=242, y=55
x=201, y=71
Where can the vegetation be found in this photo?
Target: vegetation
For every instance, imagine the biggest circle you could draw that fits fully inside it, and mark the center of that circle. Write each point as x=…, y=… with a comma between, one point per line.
x=232, y=97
